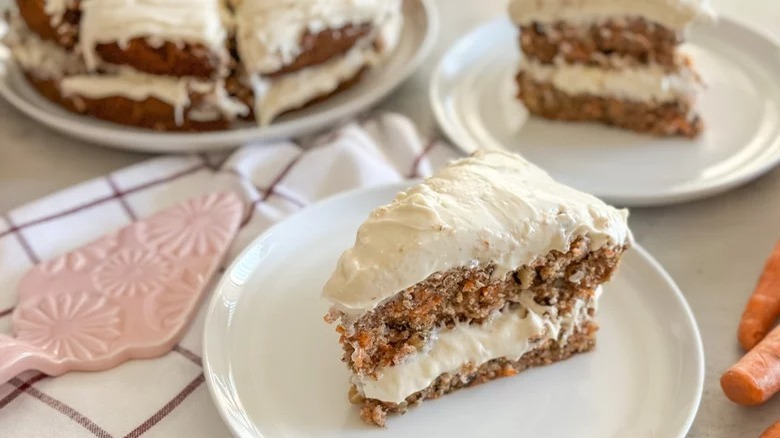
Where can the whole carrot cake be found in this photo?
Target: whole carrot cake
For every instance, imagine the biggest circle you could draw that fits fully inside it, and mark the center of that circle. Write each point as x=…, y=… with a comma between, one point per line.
x=197, y=64
x=611, y=61
x=485, y=269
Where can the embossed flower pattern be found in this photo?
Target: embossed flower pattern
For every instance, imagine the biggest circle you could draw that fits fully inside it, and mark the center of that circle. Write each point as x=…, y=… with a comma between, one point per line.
x=131, y=273
x=191, y=228
x=81, y=259
x=77, y=326
x=170, y=308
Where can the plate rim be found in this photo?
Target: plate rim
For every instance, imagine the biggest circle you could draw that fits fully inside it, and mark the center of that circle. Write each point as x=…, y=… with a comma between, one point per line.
x=217, y=295
x=110, y=135
x=461, y=138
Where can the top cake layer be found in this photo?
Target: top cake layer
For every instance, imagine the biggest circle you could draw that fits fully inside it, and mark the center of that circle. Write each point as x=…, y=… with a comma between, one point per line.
x=492, y=208
x=675, y=14
x=158, y=21
x=270, y=32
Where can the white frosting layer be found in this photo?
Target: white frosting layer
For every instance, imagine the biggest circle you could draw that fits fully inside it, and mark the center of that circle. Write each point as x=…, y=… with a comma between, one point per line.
x=645, y=83
x=43, y=59
x=269, y=32
x=174, y=91
x=491, y=208
x=510, y=335
x=675, y=14
x=178, y=21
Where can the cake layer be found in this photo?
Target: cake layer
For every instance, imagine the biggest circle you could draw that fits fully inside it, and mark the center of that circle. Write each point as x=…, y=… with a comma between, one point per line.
x=583, y=340
x=52, y=20
x=509, y=334
x=490, y=209
x=151, y=113
x=666, y=118
x=152, y=35
x=408, y=323
x=177, y=98
x=673, y=14
x=635, y=40
x=322, y=47
x=642, y=83
x=272, y=35
x=166, y=58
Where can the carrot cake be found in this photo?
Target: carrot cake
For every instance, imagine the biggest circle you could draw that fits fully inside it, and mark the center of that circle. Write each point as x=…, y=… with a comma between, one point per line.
x=485, y=269
x=200, y=64
x=611, y=61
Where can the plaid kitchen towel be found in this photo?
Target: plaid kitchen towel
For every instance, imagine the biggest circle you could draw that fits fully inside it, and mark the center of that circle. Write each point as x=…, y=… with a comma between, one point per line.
x=167, y=397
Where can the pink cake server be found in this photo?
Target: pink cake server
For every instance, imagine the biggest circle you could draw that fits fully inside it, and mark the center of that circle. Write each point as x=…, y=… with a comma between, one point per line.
x=129, y=295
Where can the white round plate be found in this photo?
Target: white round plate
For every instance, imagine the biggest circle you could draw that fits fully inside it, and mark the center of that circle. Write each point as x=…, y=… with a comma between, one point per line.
x=420, y=30
x=274, y=367
x=473, y=96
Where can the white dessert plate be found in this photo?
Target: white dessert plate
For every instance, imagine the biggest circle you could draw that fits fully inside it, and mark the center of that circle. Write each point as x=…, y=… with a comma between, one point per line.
x=420, y=30
x=473, y=96
x=274, y=367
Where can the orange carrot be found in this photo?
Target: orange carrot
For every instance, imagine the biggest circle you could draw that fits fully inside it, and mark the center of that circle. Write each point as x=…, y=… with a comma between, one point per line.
x=763, y=308
x=772, y=432
x=756, y=377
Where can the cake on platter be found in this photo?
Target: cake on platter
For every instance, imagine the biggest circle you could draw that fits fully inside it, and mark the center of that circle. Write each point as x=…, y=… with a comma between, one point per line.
x=197, y=65
x=613, y=61
x=481, y=271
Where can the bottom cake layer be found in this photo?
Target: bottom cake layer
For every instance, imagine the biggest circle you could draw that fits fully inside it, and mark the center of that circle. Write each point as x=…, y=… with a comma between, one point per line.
x=673, y=118
x=583, y=340
x=150, y=113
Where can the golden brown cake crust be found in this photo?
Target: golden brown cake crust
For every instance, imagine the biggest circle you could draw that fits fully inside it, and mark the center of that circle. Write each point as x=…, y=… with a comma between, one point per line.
x=662, y=119
x=376, y=411
x=150, y=113
x=168, y=59
x=33, y=13
x=321, y=47
x=633, y=39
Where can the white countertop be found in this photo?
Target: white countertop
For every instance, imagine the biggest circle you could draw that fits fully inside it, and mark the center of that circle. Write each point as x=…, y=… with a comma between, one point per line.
x=714, y=248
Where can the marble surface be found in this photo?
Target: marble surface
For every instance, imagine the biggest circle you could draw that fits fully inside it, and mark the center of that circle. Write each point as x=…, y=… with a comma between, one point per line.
x=714, y=248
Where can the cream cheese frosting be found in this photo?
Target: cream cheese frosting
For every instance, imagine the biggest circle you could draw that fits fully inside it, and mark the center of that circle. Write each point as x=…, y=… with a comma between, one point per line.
x=269, y=32
x=42, y=59
x=675, y=14
x=645, y=83
x=491, y=208
x=509, y=334
x=178, y=21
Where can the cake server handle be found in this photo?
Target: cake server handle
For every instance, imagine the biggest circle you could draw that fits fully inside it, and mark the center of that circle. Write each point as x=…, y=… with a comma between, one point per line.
x=18, y=356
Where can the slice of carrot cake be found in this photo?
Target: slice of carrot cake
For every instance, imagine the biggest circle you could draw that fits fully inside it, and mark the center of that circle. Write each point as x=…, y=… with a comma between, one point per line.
x=485, y=269
x=611, y=61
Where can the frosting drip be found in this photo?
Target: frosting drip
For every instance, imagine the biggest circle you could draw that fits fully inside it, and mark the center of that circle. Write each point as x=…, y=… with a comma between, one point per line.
x=493, y=207
x=645, y=83
x=178, y=21
x=269, y=32
x=510, y=335
x=675, y=14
